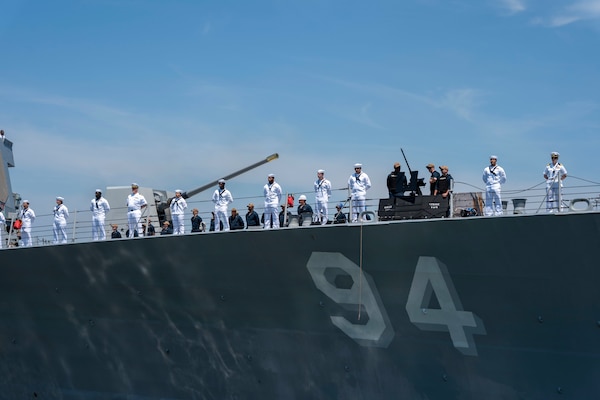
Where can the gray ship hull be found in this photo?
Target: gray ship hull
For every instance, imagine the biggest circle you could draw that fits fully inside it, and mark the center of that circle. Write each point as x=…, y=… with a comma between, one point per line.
x=473, y=308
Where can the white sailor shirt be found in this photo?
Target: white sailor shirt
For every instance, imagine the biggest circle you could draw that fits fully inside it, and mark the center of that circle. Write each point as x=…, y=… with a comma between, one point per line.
x=359, y=184
x=99, y=207
x=322, y=189
x=61, y=213
x=272, y=194
x=178, y=205
x=135, y=202
x=494, y=176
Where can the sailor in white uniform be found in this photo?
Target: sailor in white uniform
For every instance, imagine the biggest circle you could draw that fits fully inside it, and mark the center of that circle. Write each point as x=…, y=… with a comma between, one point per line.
x=221, y=197
x=61, y=214
x=2, y=227
x=135, y=203
x=273, y=194
x=99, y=207
x=493, y=177
x=554, y=174
x=27, y=216
x=178, y=206
x=322, y=193
x=358, y=184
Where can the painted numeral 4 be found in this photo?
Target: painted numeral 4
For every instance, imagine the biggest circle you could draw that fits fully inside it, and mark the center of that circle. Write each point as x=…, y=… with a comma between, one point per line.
x=432, y=277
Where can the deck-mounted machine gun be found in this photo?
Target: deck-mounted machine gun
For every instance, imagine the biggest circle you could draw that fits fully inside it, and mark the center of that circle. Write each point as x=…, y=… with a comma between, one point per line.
x=415, y=183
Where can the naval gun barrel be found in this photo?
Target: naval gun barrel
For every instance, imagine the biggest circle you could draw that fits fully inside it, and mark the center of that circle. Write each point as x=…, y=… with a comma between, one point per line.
x=193, y=192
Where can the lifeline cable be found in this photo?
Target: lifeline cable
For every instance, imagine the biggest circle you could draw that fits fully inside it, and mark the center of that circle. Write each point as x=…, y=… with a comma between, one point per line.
x=360, y=265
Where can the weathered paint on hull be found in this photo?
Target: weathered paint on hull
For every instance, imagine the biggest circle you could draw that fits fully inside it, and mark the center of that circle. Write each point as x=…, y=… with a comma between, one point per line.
x=248, y=314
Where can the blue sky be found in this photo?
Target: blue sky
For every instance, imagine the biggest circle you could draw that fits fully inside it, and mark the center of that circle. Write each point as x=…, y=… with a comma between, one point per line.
x=174, y=94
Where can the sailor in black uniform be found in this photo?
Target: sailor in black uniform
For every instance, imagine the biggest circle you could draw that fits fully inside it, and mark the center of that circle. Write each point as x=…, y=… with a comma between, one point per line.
x=304, y=211
x=396, y=182
x=340, y=217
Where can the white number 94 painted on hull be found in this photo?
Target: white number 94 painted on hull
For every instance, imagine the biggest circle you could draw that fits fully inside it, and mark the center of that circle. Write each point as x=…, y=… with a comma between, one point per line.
x=431, y=276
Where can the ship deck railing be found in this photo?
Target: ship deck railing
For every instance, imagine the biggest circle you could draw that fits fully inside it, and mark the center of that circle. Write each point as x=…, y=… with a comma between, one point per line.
x=578, y=196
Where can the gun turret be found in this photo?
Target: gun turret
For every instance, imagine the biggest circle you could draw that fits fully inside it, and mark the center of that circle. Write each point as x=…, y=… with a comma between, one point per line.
x=162, y=206
x=159, y=208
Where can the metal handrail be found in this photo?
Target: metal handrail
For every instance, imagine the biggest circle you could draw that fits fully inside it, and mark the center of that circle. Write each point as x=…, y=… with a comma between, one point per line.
x=79, y=225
